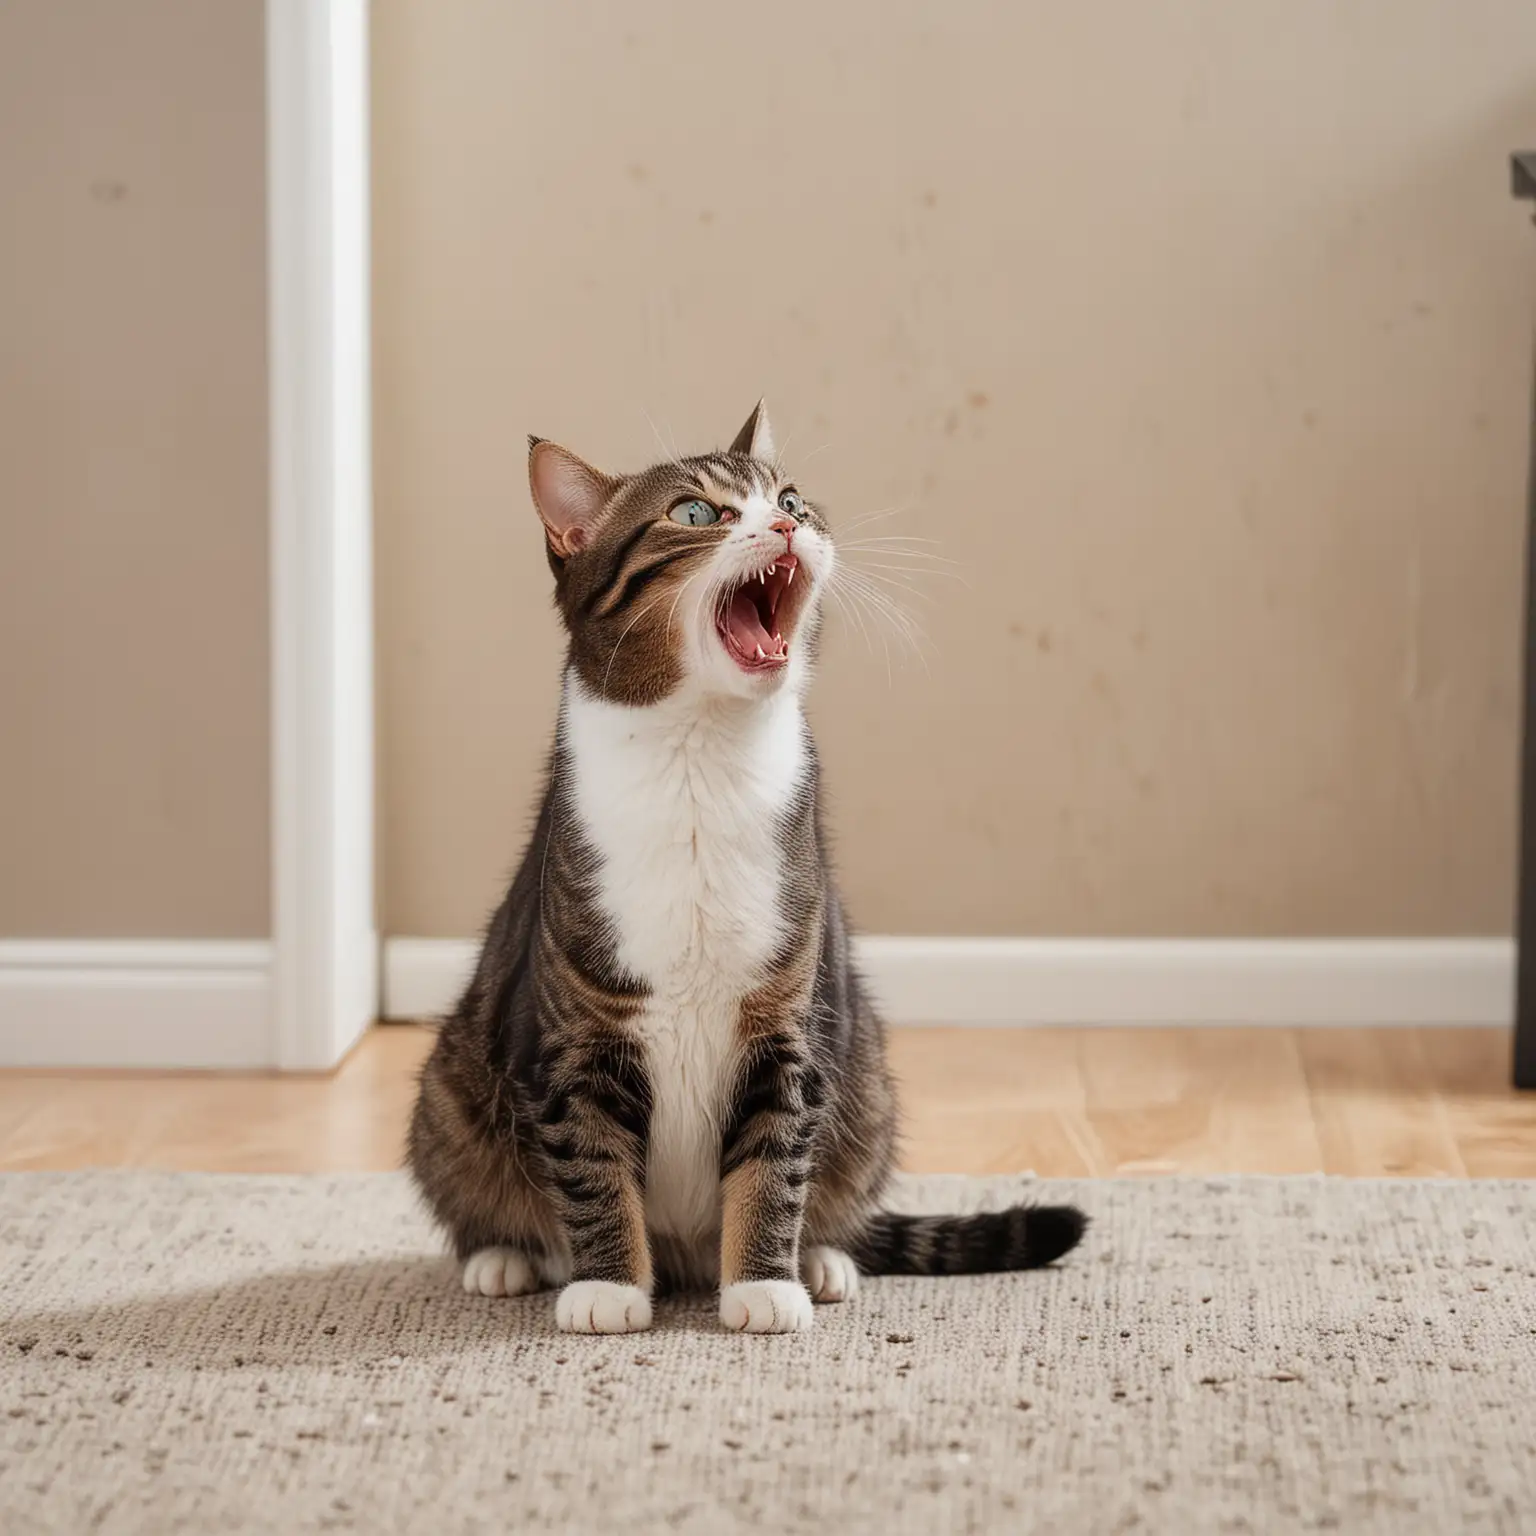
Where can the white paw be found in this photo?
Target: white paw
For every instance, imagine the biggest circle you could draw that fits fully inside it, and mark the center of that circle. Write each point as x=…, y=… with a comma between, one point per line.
x=600, y=1306
x=765, y=1306
x=829, y=1274
x=499, y=1272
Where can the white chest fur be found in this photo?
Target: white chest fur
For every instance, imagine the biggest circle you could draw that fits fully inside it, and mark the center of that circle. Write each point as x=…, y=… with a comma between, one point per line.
x=682, y=801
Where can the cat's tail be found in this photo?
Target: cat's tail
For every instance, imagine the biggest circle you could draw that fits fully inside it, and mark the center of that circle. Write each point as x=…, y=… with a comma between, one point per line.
x=1022, y=1237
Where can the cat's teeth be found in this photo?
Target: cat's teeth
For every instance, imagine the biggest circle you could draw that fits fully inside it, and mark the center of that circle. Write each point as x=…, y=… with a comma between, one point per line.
x=789, y=580
x=773, y=570
x=760, y=655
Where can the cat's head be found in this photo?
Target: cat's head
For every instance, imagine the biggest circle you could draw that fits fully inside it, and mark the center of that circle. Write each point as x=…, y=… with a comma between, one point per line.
x=705, y=573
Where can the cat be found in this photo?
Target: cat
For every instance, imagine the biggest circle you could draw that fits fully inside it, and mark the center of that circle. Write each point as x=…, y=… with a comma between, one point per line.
x=666, y=1070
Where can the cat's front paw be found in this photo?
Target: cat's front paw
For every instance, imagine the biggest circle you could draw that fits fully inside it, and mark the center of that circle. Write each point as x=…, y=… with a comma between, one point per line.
x=765, y=1306
x=601, y=1306
x=499, y=1272
x=829, y=1274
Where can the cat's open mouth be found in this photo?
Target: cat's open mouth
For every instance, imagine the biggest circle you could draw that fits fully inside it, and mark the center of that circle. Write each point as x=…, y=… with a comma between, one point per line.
x=756, y=617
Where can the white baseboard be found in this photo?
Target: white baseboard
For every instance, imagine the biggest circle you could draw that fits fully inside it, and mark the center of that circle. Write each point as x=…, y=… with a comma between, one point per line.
x=423, y=977
x=209, y=1004
x=147, y=1003
x=1111, y=981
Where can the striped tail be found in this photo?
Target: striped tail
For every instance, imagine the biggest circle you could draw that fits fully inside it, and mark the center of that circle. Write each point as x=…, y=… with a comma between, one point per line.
x=1022, y=1237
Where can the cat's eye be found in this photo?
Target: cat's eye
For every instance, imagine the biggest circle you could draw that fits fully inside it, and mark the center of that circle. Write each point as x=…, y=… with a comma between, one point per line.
x=789, y=501
x=694, y=513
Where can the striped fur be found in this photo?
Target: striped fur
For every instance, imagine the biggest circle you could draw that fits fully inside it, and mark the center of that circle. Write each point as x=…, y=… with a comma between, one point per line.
x=666, y=1070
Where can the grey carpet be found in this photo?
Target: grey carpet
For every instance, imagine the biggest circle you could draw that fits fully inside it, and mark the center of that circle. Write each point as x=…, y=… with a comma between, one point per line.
x=201, y=1353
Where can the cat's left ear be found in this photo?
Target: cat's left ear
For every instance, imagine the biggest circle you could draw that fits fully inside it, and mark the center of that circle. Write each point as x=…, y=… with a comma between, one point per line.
x=756, y=437
x=568, y=494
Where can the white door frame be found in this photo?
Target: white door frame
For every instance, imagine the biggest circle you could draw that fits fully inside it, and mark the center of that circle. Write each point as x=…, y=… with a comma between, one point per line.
x=324, y=934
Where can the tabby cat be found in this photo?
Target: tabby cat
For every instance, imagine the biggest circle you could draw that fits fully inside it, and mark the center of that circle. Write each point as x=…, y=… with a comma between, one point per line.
x=666, y=1070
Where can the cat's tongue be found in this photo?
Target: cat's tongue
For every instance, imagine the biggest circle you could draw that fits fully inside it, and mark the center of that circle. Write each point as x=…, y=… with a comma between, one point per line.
x=744, y=628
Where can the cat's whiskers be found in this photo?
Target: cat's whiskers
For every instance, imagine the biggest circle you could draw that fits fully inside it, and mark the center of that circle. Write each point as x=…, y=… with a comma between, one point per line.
x=888, y=538
x=780, y=450
x=852, y=614
x=608, y=672
x=902, y=577
x=911, y=571
x=698, y=607
x=889, y=623
x=879, y=515
x=670, y=455
x=859, y=597
x=900, y=548
x=855, y=615
x=867, y=589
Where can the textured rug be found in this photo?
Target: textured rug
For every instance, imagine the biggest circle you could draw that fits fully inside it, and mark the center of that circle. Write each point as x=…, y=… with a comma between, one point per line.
x=201, y=1353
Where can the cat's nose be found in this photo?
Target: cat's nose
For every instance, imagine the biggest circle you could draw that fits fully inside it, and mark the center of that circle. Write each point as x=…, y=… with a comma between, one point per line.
x=786, y=526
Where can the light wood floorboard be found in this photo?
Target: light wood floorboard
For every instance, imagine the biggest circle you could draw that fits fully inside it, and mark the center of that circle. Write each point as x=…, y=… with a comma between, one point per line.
x=1063, y=1102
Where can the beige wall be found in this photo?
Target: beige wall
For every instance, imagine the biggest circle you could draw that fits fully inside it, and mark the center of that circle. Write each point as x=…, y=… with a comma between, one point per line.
x=133, y=579
x=1197, y=332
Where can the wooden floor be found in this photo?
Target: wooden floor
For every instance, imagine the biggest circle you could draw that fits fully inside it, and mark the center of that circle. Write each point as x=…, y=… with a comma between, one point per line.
x=1067, y=1102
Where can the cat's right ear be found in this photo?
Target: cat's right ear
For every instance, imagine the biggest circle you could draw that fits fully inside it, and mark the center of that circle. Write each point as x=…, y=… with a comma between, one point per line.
x=568, y=494
x=756, y=438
